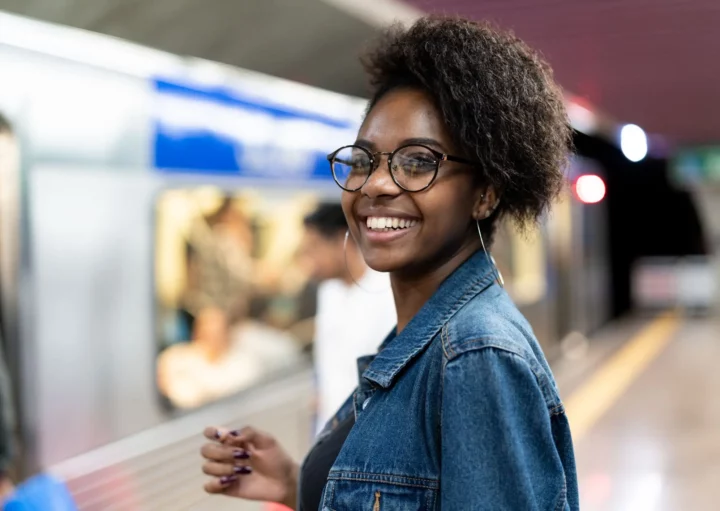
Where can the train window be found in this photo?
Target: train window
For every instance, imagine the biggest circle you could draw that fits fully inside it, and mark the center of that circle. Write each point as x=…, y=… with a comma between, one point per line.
x=234, y=308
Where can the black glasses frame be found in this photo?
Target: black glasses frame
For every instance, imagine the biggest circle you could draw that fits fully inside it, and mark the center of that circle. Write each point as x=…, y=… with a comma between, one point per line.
x=375, y=163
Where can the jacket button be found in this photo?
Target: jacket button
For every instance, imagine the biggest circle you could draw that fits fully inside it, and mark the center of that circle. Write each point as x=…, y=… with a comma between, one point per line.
x=365, y=403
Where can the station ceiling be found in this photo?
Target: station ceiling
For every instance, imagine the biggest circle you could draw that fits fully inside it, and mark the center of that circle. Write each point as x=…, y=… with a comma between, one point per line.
x=650, y=62
x=308, y=41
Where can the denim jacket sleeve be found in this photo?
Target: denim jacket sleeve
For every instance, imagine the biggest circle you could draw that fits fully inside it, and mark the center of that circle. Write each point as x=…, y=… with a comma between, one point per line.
x=498, y=450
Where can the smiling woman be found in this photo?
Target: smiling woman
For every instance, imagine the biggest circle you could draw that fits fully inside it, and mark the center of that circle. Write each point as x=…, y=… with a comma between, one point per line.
x=459, y=409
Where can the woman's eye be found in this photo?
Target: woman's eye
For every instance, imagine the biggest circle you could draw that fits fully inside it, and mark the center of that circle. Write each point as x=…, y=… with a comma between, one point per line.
x=419, y=164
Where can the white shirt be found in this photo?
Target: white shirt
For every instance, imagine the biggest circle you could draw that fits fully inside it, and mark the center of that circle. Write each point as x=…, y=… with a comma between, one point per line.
x=351, y=321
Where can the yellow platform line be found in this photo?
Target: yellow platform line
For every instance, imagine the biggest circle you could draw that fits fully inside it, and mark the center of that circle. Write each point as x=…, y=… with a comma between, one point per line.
x=589, y=403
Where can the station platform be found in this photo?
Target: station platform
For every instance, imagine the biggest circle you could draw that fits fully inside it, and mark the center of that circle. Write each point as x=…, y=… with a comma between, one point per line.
x=640, y=396
x=646, y=417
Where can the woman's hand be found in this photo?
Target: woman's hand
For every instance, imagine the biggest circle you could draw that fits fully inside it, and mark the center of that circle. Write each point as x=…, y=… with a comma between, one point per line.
x=249, y=464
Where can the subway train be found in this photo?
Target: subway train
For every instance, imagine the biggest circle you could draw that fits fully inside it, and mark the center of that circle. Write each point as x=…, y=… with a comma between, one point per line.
x=126, y=171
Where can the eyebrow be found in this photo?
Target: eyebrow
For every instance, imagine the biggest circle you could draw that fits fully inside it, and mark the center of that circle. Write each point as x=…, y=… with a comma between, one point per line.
x=365, y=143
x=408, y=141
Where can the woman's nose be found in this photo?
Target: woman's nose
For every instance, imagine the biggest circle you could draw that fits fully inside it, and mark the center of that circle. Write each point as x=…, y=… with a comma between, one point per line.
x=380, y=181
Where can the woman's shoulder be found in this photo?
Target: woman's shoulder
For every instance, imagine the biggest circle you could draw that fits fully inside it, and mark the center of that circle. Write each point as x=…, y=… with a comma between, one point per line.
x=491, y=323
x=489, y=320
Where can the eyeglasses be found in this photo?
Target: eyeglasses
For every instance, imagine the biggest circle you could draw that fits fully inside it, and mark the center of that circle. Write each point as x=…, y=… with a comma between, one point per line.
x=412, y=167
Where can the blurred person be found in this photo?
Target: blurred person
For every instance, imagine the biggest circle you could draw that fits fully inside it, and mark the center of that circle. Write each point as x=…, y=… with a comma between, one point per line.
x=222, y=358
x=219, y=263
x=459, y=409
x=355, y=307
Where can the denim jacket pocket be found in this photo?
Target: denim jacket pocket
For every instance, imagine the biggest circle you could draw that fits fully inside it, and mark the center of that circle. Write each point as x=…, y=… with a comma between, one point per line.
x=355, y=491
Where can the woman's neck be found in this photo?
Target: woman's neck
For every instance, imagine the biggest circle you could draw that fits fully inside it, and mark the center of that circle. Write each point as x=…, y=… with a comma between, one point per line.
x=412, y=291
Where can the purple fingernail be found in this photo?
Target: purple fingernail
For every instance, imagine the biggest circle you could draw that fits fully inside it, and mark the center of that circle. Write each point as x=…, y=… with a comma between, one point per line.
x=235, y=433
x=227, y=479
x=241, y=455
x=242, y=470
x=217, y=434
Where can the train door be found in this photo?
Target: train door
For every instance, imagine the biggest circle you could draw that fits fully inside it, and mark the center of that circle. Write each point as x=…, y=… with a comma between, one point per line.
x=579, y=252
x=522, y=258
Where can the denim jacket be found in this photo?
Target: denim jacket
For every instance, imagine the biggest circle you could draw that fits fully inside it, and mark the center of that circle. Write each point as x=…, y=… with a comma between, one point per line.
x=458, y=412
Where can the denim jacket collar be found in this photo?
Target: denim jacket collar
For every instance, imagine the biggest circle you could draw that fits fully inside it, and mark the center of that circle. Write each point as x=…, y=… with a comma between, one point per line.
x=472, y=277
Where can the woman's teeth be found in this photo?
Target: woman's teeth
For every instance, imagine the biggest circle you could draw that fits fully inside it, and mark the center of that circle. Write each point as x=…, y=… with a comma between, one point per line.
x=376, y=223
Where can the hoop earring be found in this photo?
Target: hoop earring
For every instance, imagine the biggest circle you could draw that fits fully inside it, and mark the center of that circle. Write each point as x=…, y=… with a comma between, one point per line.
x=347, y=267
x=499, y=278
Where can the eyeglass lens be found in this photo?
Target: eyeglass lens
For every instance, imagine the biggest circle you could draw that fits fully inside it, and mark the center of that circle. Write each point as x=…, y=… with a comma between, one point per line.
x=413, y=167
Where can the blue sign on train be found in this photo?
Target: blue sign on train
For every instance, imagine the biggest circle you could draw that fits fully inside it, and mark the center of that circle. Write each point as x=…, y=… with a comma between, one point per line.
x=213, y=130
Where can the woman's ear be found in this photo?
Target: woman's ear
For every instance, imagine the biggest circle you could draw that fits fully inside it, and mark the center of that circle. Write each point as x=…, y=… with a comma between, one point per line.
x=486, y=203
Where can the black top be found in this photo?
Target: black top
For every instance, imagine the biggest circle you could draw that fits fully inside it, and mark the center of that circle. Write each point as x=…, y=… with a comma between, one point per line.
x=318, y=464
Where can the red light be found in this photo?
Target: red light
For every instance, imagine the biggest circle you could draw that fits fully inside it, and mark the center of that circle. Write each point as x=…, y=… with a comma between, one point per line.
x=590, y=189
